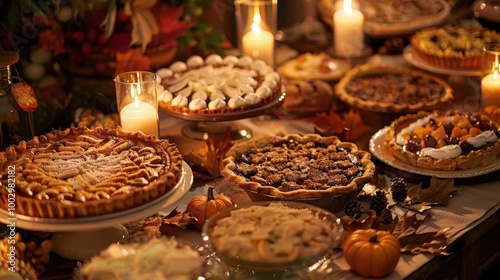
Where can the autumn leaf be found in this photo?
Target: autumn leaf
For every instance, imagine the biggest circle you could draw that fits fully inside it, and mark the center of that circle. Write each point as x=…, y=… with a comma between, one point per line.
x=171, y=27
x=131, y=60
x=52, y=38
x=205, y=162
x=351, y=224
x=176, y=220
x=25, y=96
x=410, y=241
x=350, y=128
x=438, y=192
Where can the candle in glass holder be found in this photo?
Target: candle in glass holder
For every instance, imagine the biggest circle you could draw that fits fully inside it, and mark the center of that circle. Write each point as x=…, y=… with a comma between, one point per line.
x=490, y=89
x=258, y=42
x=137, y=102
x=348, y=31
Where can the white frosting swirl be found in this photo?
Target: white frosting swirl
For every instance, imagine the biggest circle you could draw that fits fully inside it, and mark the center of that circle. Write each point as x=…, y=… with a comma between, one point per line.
x=178, y=66
x=213, y=59
x=263, y=92
x=180, y=101
x=167, y=96
x=216, y=104
x=270, y=84
x=236, y=102
x=164, y=73
x=483, y=138
x=252, y=99
x=245, y=61
x=195, y=61
x=445, y=152
x=230, y=60
x=197, y=104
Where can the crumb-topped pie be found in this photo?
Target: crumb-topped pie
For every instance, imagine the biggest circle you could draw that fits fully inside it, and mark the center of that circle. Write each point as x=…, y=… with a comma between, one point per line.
x=394, y=89
x=79, y=172
x=444, y=140
x=217, y=85
x=298, y=167
x=453, y=47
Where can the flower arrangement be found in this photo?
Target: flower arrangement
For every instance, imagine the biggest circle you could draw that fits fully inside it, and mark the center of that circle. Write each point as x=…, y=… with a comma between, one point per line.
x=112, y=36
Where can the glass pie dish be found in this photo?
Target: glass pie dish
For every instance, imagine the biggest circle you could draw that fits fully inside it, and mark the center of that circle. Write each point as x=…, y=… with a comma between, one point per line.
x=272, y=236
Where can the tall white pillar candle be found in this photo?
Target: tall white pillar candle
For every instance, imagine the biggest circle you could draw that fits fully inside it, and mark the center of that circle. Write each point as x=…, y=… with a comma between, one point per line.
x=258, y=43
x=490, y=89
x=348, y=31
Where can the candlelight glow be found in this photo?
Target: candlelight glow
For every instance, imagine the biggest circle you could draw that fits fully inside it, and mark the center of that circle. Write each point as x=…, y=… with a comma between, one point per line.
x=256, y=28
x=495, y=74
x=348, y=7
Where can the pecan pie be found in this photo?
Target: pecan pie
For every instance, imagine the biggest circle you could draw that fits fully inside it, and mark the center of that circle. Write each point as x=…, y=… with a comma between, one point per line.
x=80, y=172
x=217, y=85
x=392, y=89
x=444, y=140
x=298, y=167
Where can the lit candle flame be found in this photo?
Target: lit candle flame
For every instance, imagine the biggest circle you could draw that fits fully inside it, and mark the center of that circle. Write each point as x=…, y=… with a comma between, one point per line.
x=348, y=6
x=256, y=28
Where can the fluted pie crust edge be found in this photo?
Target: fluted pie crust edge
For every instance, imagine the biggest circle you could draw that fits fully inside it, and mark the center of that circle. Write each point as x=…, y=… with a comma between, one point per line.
x=169, y=173
x=381, y=105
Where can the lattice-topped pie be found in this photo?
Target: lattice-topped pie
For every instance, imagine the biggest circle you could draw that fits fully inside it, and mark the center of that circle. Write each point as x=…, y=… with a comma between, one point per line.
x=80, y=172
x=392, y=89
x=298, y=167
x=217, y=85
x=444, y=140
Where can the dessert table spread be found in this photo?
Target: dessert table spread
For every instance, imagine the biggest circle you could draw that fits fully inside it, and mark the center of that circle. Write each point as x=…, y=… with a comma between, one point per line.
x=472, y=214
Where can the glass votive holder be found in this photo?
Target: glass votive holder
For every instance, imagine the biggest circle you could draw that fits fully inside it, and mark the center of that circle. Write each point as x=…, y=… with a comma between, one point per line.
x=490, y=80
x=137, y=101
x=256, y=23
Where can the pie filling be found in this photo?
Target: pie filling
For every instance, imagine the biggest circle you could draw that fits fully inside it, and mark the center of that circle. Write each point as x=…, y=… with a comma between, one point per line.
x=395, y=88
x=290, y=165
x=443, y=137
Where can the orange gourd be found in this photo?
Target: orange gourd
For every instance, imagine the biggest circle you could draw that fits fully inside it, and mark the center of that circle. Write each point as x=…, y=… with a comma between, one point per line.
x=372, y=253
x=202, y=207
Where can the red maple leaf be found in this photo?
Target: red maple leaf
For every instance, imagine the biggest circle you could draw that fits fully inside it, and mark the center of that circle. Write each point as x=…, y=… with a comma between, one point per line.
x=329, y=121
x=131, y=60
x=52, y=38
x=170, y=27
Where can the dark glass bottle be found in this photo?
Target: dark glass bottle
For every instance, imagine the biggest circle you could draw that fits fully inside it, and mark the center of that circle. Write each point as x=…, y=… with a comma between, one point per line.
x=16, y=124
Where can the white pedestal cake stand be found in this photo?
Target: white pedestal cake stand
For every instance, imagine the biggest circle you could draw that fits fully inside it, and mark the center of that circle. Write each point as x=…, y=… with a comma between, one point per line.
x=82, y=238
x=218, y=123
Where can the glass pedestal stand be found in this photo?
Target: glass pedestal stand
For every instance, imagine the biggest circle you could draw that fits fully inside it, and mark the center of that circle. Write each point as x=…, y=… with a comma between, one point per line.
x=81, y=238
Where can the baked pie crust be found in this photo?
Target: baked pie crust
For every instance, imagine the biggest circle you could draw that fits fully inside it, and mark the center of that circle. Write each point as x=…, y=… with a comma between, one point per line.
x=80, y=172
x=393, y=89
x=314, y=66
x=444, y=140
x=298, y=167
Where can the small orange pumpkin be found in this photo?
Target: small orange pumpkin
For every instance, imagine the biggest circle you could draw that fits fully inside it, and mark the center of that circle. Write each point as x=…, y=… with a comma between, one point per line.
x=372, y=253
x=202, y=207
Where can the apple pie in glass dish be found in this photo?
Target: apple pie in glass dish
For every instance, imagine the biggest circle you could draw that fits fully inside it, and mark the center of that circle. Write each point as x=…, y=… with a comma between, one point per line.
x=449, y=140
x=79, y=172
x=323, y=171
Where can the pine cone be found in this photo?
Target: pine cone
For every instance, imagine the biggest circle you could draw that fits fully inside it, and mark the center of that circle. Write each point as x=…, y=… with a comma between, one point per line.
x=379, y=201
x=386, y=216
x=353, y=209
x=399, y=190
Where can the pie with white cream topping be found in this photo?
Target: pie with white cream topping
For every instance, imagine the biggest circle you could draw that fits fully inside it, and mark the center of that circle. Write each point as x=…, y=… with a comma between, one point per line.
x=217, y=85
x=80, y=172
x=444, y=140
